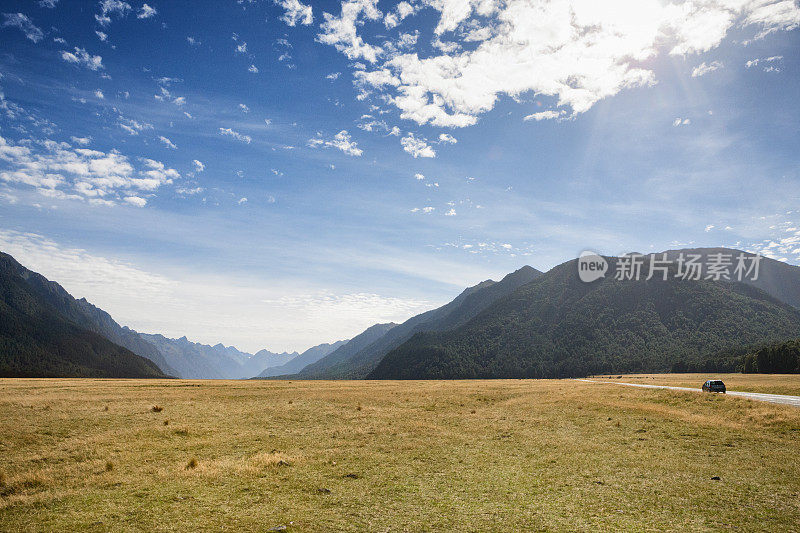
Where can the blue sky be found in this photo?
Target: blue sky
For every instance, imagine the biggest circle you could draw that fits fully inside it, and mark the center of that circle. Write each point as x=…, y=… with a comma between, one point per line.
x=280, y=174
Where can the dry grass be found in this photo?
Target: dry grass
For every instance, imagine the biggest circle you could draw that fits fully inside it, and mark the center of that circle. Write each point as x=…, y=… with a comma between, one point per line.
x=452, y=455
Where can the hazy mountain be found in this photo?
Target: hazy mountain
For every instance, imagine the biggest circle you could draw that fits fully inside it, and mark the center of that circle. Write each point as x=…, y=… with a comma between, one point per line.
x=558, y=326
x=269, y=359
x=355, y=361
x=312, y=355
x=38, y=340
x=193, y=360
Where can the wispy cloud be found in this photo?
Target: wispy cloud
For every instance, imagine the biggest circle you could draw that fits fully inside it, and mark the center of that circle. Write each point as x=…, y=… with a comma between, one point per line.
x=704, y=68
x=235, y=135
x=166, y=142
x=111, y=8
x=24, y=24
x=146, y=12
x=341, y=141
x=81, y=57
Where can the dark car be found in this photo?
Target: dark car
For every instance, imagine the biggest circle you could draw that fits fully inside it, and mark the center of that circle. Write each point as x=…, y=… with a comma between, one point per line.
x=714, y=385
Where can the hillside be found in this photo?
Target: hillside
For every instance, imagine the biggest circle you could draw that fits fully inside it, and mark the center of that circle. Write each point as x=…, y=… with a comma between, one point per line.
x=349, y=363
x=36, y=340
x=558, y=326
x=338, y=364
x=85, y=315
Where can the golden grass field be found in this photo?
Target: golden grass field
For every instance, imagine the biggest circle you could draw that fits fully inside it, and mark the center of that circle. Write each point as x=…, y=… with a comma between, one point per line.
x=393, y=456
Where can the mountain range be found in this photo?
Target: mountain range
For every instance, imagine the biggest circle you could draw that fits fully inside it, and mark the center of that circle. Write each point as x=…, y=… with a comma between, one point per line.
x=529, y=324
x=560, y=326
x=47, y=332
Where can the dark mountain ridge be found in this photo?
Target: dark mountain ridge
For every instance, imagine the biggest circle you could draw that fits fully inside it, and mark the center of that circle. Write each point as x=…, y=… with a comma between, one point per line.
x=37, y=339
x=559, y=326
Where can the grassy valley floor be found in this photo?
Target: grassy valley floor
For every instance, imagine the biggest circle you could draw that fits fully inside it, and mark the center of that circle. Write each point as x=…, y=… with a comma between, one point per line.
x=398, y=456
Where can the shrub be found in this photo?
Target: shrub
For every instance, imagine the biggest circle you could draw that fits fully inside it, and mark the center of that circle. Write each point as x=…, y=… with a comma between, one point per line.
x=156, y=408
x=191, y=464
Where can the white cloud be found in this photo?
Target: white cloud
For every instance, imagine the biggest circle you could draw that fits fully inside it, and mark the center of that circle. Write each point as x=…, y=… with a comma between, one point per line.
x=59, y=171
x=544, y=115
x=681, y=122
x=241, y=48
x=296, y=11
x=703, y=68
x=253, y=69
x=417, y=147
x=770, y=64
x=136, y=200
x=81, y=57
x=341, y=141
x=169, y=144
x=243, y=108
x=193, y=41
x=419, y=176
x=83, y=141
x=102, y=36
x=99, y=94
x=109, y=8
x=198, y=166
x=242, y=201
x=450, y=213
x=773, y=16
x=401, y=11
x=447, y=138
x=333, y=76
x=133, y=127
x=24, y=24
x=146, y=12
x=166, y=96
x=189, y=191
x=235, y=134
x=709, y=228
x=577, y=52
x=47, y=4
x=342, y=33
